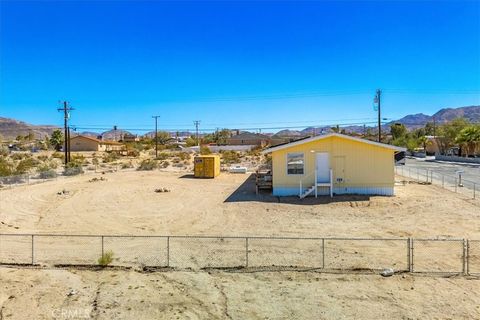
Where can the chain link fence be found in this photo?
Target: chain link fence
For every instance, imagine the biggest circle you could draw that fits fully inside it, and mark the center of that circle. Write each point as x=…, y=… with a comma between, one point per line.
x=449, y=256
x=454, y=183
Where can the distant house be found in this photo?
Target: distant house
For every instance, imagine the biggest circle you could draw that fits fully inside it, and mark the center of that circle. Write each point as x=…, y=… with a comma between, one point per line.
x=333, y=164
x=248, y=138
x=128, y=137
x=85, y=143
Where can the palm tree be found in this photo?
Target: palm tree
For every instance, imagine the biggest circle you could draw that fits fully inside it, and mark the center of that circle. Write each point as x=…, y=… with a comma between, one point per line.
x=469, y=137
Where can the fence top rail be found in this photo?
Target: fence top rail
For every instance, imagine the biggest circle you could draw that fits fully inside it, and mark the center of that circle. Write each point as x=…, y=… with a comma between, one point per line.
x=439, y=239
x=225, y=237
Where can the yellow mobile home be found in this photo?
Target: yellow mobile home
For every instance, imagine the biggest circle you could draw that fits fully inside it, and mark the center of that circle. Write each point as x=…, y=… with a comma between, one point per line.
x=333, y=164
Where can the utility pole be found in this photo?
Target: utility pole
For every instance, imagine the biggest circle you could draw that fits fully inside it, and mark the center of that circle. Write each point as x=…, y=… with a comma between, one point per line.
x=197, y=123
x=377, y=100
x=156, y=135
x=66, y=115
x=434, y=128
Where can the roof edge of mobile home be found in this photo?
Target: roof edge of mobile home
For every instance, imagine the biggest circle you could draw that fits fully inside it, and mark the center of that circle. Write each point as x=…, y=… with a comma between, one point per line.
x=315, y=138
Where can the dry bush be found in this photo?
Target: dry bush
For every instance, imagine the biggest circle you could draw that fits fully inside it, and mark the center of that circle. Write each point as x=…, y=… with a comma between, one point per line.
x=229, y=157
x=183, y=155
x=165, y=164
x=106, y=258
x=147, y=165
x=109, y=157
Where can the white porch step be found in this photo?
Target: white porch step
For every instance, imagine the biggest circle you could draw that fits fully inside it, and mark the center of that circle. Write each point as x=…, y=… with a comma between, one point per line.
x=307, y=192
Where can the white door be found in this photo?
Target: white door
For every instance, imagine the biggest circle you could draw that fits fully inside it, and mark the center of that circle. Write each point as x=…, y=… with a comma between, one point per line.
x=323, y=167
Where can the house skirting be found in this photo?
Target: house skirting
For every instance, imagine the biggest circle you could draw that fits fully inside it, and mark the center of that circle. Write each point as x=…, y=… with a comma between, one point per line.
x=293, y=191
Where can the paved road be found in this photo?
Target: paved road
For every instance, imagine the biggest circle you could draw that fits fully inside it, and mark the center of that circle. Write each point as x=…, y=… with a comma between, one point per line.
x=443, y=172
x=470, y=171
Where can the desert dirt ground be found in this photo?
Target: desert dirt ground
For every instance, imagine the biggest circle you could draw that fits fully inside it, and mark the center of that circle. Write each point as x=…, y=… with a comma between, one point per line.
x=126, y=204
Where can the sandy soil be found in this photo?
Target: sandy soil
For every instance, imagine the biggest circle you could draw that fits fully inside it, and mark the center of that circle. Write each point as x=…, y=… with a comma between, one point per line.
x=64, y=294
x=126, y=204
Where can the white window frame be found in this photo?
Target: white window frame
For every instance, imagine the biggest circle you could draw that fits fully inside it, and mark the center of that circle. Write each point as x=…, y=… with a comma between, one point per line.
x=286, y=164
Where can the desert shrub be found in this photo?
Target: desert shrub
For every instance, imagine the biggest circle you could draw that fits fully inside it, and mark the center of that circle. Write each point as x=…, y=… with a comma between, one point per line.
x=7, y=168
x=46, y=170
x=19, y=156
x=229, y=156
x=255, y=151
x=205, y=150
x=127, y=165
x=79, y=158
x=163, y=156
x=47, y=174
x=58, y=155
x=25, y=165
x=165, y=164
x=106, y=258
x=73, y=169
x=184, y=155
x=147, y=165
x=110, y=157
x=133, y=153
x=42, y=157
x=3, y=151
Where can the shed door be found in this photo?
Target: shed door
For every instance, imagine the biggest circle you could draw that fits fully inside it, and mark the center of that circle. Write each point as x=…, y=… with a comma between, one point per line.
x=208, y=167
x=323, y=167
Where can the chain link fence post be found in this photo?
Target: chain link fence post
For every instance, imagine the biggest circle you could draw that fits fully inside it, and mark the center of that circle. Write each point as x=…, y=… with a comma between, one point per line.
x=323, y=253
x=103, y=246
x=33, y=249
x=168, y=252
x=412, y=255
x=246, y=252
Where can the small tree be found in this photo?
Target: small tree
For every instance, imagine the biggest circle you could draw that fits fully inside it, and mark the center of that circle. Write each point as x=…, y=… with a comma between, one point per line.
x=57, y=140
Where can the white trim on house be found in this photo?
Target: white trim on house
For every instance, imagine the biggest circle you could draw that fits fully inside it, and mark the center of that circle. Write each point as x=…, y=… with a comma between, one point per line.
x=300, y=142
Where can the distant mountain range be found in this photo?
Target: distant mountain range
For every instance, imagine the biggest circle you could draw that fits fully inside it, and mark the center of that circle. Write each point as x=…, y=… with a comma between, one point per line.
x=411, y=121
x=10, y=128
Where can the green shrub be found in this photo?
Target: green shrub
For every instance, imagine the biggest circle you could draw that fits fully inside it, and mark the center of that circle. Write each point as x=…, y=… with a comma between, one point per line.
x=19, y=156
x=4, y=151
x=106, y=258
x=165, y=164
x=78, y=158
x=48, y=174
x=25, y=165
x=110, y=157
x=163, y=156
x=42, y=157
x=229, y=156
x=205, y=150
x=184, y=155
x=58, y=155
x=127, y=165
x=147, y=165
x=7, y=168
x=73, y=169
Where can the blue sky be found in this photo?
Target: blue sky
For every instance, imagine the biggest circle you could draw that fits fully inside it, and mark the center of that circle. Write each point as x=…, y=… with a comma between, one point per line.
x=230, y=63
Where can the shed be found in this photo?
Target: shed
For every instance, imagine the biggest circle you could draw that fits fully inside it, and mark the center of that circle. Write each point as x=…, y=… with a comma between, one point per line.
x=207, y=166
x=333, y=164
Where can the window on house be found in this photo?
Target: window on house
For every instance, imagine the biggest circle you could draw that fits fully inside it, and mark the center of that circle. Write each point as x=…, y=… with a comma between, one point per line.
x=295, y=163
